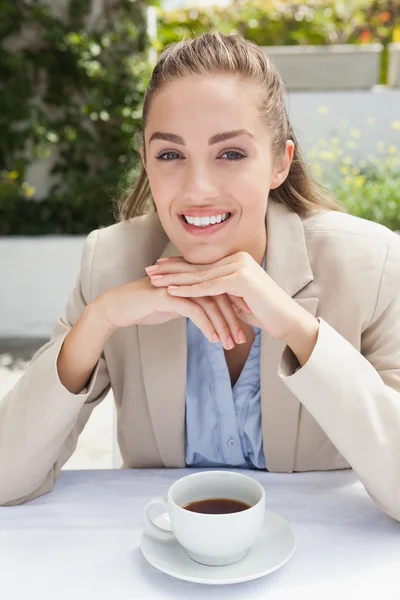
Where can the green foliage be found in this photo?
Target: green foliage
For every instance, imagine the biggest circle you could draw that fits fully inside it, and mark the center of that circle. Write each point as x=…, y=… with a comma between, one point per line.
x=74, y=90
x=369, y=188
x=281, y=22
x=374, y=194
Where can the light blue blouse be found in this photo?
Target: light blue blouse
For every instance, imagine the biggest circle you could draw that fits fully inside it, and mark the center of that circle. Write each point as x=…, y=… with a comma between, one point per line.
x=223, y=425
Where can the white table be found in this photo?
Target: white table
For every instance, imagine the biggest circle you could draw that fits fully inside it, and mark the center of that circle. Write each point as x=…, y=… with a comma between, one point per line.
x=81, y=541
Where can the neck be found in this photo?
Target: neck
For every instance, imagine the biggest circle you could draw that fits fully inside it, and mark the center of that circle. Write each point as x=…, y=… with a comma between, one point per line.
x=258, y=246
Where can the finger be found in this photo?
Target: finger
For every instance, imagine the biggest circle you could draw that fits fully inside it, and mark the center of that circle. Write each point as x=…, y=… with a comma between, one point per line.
x=194, y=273
x=194, y=312
x=230, y=317
x=213, y=287
x=190, y=276
x=213, y=312
x=240, y=303
x=177, y=266
x=246, y=317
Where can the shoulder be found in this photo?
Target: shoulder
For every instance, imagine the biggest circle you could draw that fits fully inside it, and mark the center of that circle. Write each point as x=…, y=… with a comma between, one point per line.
x=343, y=232
x=135, y=230
x=341, y=225
x=364, y=253
x=117, y=254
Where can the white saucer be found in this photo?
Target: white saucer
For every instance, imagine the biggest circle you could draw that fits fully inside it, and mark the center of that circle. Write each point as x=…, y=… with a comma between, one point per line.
x=272, y=550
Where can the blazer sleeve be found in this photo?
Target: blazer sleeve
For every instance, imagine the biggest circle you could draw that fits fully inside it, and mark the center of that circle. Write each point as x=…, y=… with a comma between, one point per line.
x=40, y=420
x=355, y=396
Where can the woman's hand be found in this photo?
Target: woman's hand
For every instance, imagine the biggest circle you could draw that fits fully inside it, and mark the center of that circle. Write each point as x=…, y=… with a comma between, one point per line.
x=242, y=279
x=140, y=303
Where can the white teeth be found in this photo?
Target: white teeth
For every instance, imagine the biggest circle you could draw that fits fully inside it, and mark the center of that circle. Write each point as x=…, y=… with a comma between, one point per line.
x=205, y=221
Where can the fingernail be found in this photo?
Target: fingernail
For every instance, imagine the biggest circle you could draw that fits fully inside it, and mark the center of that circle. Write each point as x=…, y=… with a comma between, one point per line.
x=156, y=277
x=241, y=337
x=161, y=260
x=172, y=287
x=215, y=338
x=151, y=269
x=229, y=343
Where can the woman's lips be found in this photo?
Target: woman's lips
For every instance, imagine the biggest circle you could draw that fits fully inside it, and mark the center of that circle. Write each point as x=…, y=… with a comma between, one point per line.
x=204, y=231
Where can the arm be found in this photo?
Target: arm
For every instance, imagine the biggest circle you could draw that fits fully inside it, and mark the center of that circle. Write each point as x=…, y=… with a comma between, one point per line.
x=40, y=419
x=355, y=396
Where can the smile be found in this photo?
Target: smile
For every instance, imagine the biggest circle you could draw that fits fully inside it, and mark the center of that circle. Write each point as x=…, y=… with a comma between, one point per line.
x=205, y=225
x=206, y=221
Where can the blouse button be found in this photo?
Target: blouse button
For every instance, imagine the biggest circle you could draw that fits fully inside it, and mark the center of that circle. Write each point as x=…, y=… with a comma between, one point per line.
x=232, y=443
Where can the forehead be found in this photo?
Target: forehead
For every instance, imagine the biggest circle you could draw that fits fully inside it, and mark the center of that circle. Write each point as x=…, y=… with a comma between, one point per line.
x=206, y=101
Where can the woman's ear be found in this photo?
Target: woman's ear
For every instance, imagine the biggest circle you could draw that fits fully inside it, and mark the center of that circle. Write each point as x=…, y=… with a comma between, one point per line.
x=283, y=166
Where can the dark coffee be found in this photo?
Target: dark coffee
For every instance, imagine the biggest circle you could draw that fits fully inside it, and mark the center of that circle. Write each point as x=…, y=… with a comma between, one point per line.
x=217, y=506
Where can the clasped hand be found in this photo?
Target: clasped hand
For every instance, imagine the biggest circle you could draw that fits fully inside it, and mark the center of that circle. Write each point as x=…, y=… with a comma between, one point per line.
x=231, y=290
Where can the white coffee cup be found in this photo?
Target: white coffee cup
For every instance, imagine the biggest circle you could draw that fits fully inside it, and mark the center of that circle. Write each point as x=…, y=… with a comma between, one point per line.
x=212, y=539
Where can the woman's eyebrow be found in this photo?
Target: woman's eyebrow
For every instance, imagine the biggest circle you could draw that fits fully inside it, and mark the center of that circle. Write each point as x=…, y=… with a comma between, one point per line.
x=215, y=139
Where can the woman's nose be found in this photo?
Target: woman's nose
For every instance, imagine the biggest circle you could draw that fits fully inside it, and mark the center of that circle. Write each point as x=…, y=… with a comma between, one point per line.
x=199, y=185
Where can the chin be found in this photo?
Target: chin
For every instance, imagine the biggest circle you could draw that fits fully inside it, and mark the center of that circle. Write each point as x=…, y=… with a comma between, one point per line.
x=203, y=256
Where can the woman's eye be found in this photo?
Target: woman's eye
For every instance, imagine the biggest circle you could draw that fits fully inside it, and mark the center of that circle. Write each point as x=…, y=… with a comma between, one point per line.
x=237, y=155
x=170, y=155
x=164, y=154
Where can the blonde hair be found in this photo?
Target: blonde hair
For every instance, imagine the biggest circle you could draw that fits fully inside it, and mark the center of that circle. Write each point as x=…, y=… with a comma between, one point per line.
x=218, y=54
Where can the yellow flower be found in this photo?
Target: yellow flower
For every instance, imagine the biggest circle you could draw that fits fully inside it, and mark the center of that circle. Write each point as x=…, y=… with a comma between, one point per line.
x=370, y=120
x=322, y=110
x=381, y=146
x=396, y=125
x=359, y=181
x=327, y=155
x=396, y=33
x=355, y=171
x=316, y=167
x=347, y=160
x=392, y=149
x=335, y=141
x=348, y=180
x=344, y=170
x=29, y=191
x=13, y=175
x=351, y=144
x=362, y=164
x=355, y=133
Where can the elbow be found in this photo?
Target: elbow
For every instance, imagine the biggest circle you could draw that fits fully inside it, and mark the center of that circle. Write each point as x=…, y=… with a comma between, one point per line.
x=15, y=490
x=389, y=504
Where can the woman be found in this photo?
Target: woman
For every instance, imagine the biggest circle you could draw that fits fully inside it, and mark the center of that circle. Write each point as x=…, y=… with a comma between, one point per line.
x=263, y=335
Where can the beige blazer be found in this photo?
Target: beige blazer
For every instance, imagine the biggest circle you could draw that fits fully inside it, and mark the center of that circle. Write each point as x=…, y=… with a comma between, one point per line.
x=341, y=410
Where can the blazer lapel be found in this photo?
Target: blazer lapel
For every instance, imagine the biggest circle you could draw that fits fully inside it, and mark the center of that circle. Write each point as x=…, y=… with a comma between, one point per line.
x=163, y=352
x=288, y=264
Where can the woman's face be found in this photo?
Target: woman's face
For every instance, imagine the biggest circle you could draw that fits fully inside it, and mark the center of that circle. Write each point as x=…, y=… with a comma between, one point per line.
x=208, y=158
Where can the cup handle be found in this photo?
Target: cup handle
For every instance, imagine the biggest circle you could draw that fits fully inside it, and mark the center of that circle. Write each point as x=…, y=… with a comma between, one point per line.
x=159, y=532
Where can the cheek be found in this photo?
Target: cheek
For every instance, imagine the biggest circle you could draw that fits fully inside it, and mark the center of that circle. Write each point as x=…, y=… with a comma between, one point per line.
x=252, y=196
x=162, y=195
x=251, y=183
x=164, y=189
